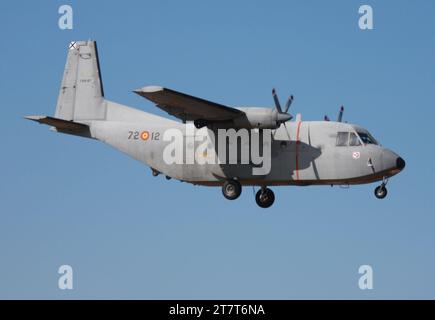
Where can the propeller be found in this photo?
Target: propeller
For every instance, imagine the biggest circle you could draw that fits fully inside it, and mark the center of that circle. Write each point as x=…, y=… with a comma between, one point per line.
x=288, y=103
x=340, y=114
x=281, y=116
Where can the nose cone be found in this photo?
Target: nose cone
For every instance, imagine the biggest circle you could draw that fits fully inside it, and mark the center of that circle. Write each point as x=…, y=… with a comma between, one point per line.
x=392, y=162
x=400, y=163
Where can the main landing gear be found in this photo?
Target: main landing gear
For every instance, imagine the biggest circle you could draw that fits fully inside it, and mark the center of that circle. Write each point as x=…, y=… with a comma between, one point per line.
x=381, y=191
x=265, y=197
x=232, y=189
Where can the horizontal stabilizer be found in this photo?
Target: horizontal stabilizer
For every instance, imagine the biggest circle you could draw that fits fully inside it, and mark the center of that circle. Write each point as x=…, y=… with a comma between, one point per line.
x=61, y=125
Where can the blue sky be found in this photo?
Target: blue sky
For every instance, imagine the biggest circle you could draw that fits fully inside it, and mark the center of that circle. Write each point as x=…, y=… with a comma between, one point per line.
x=66, y=200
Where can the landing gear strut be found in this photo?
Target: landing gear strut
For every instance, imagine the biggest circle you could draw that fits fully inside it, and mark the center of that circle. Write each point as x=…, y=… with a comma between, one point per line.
x=265, y=197
x=231, y=189
x=381, y=191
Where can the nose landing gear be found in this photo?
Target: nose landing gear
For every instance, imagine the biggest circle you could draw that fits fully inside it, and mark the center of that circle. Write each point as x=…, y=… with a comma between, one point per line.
x=381, y=191
x=265, y=197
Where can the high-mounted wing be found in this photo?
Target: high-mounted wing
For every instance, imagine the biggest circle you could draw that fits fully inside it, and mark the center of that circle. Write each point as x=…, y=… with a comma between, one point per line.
x=186, y=107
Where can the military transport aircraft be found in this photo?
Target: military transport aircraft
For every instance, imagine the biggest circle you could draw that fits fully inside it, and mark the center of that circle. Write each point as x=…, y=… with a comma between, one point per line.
x=302, y=152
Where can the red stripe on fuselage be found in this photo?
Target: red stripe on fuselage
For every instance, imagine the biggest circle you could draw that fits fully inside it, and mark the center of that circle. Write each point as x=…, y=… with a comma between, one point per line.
x=297, y=149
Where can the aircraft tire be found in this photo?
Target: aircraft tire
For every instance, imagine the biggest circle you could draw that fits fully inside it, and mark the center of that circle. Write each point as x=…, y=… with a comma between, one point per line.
x=265, y=198
x=231, y=189
x=381, y=192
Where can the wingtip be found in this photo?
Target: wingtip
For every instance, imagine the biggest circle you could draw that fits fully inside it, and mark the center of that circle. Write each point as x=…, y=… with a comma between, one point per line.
x=34, y=118
x=148, y=89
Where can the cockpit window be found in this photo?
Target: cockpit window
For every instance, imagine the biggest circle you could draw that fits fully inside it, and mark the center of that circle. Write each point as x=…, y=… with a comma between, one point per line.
x=345, y=139
x=353, y=140
x=367, y=138
x=342, y=139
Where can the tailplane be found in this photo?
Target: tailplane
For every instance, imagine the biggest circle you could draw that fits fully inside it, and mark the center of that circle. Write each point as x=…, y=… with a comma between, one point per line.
x=63, y=126
x=81, y=95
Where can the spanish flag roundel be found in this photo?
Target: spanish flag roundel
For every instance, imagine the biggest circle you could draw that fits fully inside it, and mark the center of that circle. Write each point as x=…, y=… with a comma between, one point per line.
x=145, y=135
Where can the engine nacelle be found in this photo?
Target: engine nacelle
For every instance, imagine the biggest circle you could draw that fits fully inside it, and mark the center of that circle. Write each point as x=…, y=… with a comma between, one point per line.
x=253, y=118
x=260, y=118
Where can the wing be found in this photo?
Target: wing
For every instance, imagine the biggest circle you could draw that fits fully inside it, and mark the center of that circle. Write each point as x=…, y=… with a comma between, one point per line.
x=186, y=107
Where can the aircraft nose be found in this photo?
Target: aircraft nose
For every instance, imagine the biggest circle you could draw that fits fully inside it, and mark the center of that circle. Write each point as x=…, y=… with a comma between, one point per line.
x=400, y=163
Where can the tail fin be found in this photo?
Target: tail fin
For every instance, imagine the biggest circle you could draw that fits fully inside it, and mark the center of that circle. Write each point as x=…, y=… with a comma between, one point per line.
x=81, y=96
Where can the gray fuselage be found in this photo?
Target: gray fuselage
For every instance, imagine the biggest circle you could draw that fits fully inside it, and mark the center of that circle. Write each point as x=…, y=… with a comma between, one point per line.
x=302, y=152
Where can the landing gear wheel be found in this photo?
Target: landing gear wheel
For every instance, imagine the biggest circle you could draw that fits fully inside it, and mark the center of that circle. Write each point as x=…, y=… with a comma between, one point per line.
x=381, y=192
x=265, y=197
x=231, y=189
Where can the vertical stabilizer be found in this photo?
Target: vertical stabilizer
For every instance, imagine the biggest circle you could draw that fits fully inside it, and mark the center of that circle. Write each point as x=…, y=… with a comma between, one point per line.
x=81, y=95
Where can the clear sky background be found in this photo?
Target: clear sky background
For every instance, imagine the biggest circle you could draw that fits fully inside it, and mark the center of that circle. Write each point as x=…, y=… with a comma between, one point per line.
x=66, y=200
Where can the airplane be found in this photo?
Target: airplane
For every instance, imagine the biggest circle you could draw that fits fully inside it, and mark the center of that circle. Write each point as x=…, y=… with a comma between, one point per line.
x=303, y=153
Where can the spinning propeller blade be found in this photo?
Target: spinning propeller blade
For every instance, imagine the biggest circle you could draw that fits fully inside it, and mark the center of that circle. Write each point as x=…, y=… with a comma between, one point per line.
x=340, y=114
x=281, y=116
x=289, y=103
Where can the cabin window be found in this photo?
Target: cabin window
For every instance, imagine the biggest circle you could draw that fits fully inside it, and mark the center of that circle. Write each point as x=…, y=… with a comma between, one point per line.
x=367, y=138
x=342, y=139
x=354, y=140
